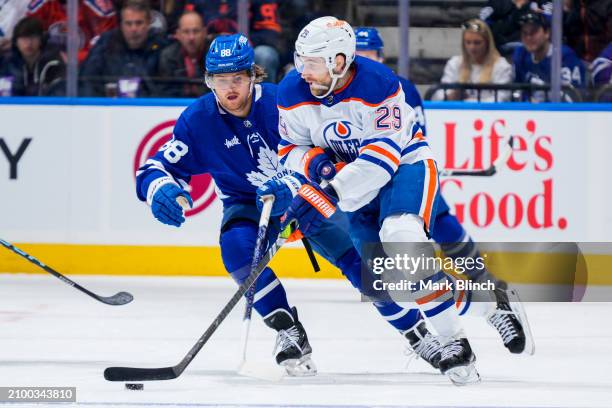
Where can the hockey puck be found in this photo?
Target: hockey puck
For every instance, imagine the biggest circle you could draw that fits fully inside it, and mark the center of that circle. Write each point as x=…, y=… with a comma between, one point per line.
x=133, y=386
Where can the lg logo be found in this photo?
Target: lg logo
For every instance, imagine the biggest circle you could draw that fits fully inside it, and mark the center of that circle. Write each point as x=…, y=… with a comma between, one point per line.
x=14, y=157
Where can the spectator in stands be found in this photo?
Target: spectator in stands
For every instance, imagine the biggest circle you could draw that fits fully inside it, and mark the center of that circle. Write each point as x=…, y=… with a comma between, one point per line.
x=479, y=63
x=11, y=11
x=265, y=34
x=130, y=55
x=587, y=26
x=221, y=17
x=34, y=68
x=171, y=11
x=95, y=17
x=601, y=68
x=532, y=59
x=184, y=59
x=503, y=18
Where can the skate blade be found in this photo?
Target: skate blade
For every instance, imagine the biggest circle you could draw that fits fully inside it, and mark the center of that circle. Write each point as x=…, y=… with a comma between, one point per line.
x=261, y=371
x=515, y=304
x=464, y=375
x=303, y=367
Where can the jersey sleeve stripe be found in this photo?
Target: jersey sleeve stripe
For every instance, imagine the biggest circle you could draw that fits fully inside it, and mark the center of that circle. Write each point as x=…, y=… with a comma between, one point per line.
x=431, y=188
x=34, y=5
x=151, y=164
x=388, y=141
x=431, y=296
x=378, y=162
x=411, y=148
x=102, y=8
x=297, y=105
x=283, y=151
x=381, y=151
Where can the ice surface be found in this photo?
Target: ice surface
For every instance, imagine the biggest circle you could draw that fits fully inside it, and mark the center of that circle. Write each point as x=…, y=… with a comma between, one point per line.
x=52, y=335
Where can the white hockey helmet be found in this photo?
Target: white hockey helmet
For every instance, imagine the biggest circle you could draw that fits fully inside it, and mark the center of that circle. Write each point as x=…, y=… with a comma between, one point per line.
x=326, y=37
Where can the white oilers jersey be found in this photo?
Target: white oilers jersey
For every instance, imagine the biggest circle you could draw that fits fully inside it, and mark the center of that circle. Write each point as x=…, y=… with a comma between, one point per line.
x=366, y=124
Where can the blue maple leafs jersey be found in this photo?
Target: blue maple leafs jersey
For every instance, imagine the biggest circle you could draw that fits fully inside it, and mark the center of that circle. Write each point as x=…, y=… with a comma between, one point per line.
x=528, y=71
x=413, y=98
x=602, y=67
x=239, y=153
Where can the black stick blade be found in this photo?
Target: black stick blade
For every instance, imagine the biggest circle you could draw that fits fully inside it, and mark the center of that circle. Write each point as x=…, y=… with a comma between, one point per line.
x=118, y=299
x=139, y=374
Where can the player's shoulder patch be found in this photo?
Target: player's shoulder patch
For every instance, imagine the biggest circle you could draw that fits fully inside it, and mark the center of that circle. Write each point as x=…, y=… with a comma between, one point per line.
x=103, y=8
x=35, y=5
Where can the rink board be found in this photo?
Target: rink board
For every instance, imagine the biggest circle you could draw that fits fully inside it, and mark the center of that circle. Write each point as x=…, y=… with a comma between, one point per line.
x=69, y=198
x=521, y=267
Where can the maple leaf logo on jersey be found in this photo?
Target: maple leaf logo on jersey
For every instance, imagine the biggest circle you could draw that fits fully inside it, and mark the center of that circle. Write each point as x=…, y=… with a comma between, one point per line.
x=269, y=168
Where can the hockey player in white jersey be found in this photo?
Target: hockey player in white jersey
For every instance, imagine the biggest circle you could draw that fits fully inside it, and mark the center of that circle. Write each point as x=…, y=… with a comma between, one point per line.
x=356, y=109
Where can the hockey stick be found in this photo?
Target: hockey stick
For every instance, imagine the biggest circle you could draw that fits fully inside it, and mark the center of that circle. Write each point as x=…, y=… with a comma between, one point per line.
x=491, y=170
x=264, y=220
x=168, y=373
x=118, y=299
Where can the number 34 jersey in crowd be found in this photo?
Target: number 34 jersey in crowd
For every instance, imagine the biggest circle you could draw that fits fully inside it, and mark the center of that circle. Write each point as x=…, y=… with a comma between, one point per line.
x=366, y=123
x=239, y=153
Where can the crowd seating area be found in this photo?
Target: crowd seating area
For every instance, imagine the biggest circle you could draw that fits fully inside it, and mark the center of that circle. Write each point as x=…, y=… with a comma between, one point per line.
x=163, y=57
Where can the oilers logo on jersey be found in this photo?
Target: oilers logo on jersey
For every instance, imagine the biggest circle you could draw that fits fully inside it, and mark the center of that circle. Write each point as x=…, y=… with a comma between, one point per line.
x=343, y=137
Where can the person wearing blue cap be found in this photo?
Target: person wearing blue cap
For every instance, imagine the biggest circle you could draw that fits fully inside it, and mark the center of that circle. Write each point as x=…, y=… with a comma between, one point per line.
x=532, y=60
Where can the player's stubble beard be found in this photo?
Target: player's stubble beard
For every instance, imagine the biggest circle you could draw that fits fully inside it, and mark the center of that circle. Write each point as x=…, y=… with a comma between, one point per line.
x=236, y=106
x=318, y=88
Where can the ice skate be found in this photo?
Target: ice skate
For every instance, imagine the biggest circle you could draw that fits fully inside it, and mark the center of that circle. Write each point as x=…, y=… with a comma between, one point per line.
x=423, y=345
x=457, y=362
x=292, y=349
x=510, y=321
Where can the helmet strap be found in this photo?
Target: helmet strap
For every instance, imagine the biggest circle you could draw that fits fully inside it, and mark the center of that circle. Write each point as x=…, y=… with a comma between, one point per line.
x=335, y=77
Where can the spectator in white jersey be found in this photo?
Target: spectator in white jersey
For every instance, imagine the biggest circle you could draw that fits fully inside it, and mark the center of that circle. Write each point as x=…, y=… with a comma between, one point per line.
x=479, y=63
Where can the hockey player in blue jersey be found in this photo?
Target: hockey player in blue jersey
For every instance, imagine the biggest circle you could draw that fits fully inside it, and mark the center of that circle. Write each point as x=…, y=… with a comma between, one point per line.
x=232, y=134
x=453, y=239
x=532, y=60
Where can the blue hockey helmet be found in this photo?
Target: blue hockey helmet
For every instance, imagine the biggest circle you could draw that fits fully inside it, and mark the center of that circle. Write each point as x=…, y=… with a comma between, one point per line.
x=229, y=53
x=368, y=39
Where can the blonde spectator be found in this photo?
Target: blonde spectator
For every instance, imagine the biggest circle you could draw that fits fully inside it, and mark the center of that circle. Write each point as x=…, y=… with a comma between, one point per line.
x=479, y=63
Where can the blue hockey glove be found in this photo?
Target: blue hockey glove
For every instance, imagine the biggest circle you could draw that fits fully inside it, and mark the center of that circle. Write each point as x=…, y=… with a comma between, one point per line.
x=283, y=191
x=318, y=165
x=164, y=205
x=311, y=207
